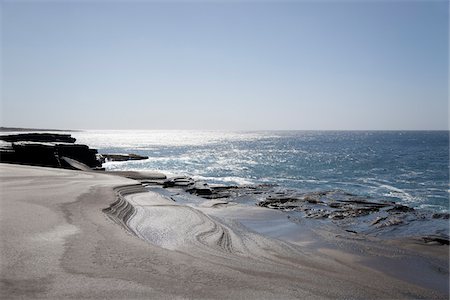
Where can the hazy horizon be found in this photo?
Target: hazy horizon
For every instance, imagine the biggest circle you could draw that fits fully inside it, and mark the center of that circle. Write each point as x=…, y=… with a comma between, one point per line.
x=25, y=129
x=298, y=65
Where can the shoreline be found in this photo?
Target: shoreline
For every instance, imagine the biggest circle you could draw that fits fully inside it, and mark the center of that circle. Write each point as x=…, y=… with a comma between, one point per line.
x=233, y=222
x=57, y=242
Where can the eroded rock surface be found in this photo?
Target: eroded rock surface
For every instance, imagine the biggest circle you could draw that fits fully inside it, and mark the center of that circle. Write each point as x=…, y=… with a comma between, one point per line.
x=352, y=213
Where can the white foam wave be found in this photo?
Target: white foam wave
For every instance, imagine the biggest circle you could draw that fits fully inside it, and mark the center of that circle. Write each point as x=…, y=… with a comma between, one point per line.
x=434, y=207
x=382, y=187
x=398, y=193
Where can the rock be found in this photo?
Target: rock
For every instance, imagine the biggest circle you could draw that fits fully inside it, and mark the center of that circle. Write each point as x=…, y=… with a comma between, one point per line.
x=38, y=154
x=81, y=153
x=311, y=200
x=366, y=203
x=74, y=164
x=356, y=214
x=142, y=176
x=38, y=137
x=378, y=220
x=122, y=157
x=7, y=153
x=444, y=216
x=199, y=188
x=335, y=205
x=337, y=216
x=8, y=156
x=443, y=240
x=44, y=149
x=180, y=181
x=318, y=214
x=401, y=208
x=277, y=200
x=390, y=221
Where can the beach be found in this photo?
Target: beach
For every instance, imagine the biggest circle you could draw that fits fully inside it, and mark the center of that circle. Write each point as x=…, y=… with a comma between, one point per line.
x=60, y=238
x=224, y=150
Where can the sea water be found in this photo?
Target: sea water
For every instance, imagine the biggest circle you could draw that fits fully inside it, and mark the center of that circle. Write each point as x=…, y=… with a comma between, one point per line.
x=409, y=167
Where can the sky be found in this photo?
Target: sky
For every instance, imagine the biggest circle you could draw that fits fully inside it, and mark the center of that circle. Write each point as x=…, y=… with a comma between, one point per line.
x=254, y=65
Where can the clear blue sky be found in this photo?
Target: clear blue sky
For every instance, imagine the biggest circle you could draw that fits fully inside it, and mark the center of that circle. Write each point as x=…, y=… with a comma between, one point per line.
x=217, y=65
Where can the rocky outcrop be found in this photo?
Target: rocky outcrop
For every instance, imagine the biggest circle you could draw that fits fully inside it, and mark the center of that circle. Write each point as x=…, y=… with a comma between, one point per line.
x=436, y=239
x=81, y=153
x=54, y=150
x=32, y=153
x=45, y=149
x=199, y=188
x=351, y=213
x=122, y=157
x=180, y=181
x=38, y=137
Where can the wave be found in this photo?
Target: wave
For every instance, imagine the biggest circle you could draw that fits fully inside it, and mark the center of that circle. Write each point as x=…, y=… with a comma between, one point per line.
x=395, y=192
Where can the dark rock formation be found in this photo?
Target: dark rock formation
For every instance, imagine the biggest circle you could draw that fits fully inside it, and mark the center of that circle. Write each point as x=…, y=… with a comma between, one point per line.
x=44, y=149
x=122, y=157
x=328, y=204
x=31, y=153
x=81, y=153
x=180, y=181
x=199, y=188
x=191, y=186
x=441, y=216
x=38, y=137
x=334, y=205
x=443, y=240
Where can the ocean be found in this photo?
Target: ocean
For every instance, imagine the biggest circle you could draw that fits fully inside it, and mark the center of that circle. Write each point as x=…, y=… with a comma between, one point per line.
x=408, y=167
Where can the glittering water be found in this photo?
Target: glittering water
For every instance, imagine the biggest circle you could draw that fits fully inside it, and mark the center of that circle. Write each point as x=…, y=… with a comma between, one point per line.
x=410, y=167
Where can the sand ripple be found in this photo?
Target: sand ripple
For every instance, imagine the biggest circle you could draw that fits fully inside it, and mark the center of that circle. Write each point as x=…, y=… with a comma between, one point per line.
x=161, y=221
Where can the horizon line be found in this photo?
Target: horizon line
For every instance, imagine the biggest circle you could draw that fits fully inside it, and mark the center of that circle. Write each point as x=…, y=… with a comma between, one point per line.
x=7, y=128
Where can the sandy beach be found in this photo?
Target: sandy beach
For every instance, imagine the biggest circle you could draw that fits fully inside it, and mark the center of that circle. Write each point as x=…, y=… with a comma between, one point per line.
x=58, y=241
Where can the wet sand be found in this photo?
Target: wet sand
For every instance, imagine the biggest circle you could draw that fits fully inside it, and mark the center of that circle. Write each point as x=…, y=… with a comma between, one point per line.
x=57, y=242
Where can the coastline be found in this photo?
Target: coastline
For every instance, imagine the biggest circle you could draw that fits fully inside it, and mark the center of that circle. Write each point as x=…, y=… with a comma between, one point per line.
x=57, y=242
